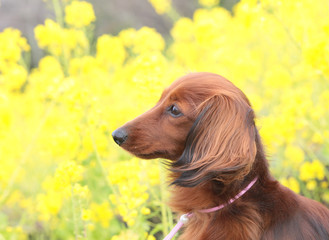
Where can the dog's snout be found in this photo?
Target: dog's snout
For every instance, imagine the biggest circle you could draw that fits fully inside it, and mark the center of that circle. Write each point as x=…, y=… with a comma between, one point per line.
x=120, y=136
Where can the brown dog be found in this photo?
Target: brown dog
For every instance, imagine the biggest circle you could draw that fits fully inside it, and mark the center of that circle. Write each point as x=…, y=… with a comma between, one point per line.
x=205, y=126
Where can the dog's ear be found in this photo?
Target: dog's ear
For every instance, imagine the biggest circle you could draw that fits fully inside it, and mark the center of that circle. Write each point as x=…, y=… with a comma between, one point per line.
x=220, y=145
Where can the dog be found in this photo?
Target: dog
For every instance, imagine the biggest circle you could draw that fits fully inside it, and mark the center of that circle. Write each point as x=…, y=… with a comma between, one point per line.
x=204, y=126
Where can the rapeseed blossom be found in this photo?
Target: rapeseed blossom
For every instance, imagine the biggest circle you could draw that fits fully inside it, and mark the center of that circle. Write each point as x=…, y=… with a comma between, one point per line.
x=291, y=183
x=79, y=14
x=101, y=213
x=147, y=39
x=129, y=179
x=312, y=170
x=161, y=6
x=12, y=45
x=110, y=50
x=49, y=35
x=67, y=174
x=58, y=40
x=294, y=155
x=61, y=174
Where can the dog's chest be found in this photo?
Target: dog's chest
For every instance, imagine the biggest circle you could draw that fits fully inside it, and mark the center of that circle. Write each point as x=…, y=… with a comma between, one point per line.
x=221, y=227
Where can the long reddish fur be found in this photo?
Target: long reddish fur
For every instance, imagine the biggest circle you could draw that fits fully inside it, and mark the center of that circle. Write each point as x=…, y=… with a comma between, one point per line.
x=216, y=151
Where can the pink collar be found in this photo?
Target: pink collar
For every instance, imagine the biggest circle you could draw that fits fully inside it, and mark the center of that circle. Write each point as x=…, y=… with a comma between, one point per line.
x=185, y=217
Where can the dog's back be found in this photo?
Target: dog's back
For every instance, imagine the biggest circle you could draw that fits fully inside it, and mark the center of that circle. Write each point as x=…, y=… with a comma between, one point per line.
x=299, y=218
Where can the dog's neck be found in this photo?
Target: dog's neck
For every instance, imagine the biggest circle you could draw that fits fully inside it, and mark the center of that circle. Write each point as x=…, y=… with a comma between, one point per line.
x=214, y=193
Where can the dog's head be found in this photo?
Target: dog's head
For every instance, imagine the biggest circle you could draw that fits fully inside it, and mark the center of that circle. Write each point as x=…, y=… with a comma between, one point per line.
x=203, y=123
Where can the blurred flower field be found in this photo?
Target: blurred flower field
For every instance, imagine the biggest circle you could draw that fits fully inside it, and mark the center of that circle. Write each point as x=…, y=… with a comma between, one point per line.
x=62, y=176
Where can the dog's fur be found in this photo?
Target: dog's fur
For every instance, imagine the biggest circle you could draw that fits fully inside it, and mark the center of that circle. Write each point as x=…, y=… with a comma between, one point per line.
x=215, y=152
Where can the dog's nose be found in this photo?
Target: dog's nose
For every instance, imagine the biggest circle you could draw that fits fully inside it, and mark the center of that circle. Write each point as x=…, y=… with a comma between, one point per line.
x=120, y=136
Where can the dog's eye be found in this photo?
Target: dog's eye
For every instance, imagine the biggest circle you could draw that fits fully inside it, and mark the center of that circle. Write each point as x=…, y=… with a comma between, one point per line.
x=174, y=111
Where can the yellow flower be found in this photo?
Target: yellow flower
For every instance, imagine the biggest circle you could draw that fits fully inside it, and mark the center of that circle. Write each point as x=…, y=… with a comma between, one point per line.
x=145, y=211
x=154, y=175
x=131, y=222
x=183, y=30
x=127, y=36
x=126, y=235
x=256, y=102
x=73, y=38
x=147, y=39
x=13, y=76
x=326, y=196
x=86, y=214
x=314, y=170
x=319, y=169
x=277, y=77
x=206, y=28
x=315, y=54
x=129, y=178
x=317, y=138
x=101, y=213
x=161, y=6
x=311, y=185
x=110, y=50
x=150, y=237
x=85, y=66
x=59, y=40
x=66, y=174
x=48, y=205
x=113, y=199
x=294, y=155
x=91, y=226
x=51, y=67
x=147, y=72
x=291, y=183
x=305, y=171
x=324, y=185
x=49, y=34
x=12, y=44
x=79, y=14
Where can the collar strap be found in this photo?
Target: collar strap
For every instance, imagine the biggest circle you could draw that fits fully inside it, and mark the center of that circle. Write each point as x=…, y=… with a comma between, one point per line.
x=185, y=217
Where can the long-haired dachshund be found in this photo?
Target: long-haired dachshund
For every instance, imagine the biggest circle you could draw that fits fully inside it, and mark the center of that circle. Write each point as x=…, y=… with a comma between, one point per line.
x=205, y=126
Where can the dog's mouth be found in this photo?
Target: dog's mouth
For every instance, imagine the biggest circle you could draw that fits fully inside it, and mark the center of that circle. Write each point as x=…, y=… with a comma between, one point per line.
x=152, y=155
x=150, y=151
x=142, y=148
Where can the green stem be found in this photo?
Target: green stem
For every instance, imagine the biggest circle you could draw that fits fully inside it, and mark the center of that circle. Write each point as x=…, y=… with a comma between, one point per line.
x=25, y=60
x=58, y=12
x=99, y=161
x=173, y=14
x=164, y=216
x=82, y=222
x=170, y=218
x=75, y=224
